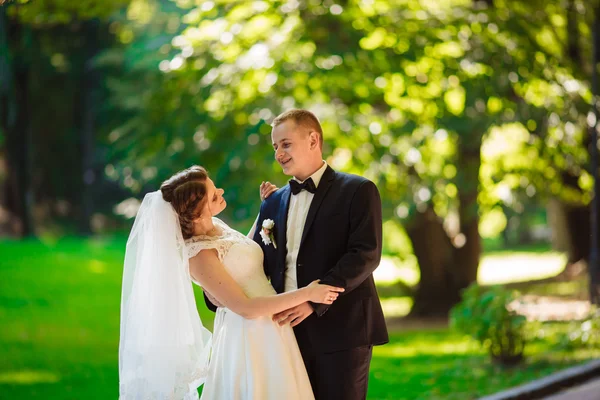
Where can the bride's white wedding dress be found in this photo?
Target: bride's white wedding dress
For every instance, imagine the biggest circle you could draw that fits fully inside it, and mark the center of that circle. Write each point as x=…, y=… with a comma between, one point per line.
x=251, y=358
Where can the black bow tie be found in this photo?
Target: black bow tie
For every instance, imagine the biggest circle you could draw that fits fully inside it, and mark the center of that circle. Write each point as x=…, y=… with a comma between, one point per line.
x=307, y=185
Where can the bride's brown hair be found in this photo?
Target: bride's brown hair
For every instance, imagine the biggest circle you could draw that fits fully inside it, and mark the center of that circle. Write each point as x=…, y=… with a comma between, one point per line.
x=186, y=191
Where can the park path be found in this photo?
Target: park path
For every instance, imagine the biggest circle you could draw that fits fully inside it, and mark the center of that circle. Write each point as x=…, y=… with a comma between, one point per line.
x=589, y=390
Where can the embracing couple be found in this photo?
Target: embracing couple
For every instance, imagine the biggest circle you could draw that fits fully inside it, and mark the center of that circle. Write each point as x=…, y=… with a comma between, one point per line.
x=297, y=312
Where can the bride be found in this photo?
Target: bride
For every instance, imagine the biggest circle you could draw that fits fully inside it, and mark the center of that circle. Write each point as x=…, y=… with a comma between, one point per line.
x=164, y=351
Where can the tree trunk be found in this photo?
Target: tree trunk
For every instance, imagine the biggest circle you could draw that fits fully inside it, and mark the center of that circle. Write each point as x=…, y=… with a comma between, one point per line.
x=557, y=221
x=573, y=48
x=14, y=116
x=448, y=266
x=87, y=100
x=578, y=217
x=437, y=291
x=468, y=165
x=578, y=223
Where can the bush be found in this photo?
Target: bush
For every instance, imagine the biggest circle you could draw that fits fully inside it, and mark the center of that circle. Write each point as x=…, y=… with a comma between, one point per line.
x=485, y=314
x=583, y=334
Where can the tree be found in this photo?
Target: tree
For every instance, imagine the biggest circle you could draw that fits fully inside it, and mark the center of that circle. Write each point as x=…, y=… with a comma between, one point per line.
x=34, y=37
x=409, y=93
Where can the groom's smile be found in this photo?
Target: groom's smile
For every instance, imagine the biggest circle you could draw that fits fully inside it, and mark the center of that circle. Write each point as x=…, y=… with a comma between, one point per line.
x=297, y=148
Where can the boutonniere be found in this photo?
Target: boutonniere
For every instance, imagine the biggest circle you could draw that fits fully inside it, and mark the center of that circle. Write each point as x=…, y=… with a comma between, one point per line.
x=266, y=233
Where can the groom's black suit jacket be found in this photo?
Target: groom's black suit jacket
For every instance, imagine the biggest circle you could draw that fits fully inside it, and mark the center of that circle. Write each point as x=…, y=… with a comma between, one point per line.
x=341, y=246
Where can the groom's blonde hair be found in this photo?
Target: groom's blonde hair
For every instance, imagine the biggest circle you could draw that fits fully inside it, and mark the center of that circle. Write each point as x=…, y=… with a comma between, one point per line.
x=302, y=118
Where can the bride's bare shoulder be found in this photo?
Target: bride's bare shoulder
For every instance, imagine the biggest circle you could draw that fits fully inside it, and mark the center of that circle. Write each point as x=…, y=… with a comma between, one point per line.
x=206, y=255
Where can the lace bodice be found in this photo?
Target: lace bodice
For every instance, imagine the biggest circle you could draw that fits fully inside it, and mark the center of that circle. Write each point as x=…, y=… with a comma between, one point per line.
x=241, y=256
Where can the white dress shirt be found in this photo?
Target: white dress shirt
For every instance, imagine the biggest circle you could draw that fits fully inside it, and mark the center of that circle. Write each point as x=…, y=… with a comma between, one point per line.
x=297, y=212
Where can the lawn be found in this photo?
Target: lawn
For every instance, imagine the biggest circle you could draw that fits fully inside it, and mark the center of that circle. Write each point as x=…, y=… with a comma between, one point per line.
x=59, y=319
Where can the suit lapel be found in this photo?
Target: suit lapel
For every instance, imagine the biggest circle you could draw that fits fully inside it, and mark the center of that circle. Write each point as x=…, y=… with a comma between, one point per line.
x=282, y=226
x=324, y=186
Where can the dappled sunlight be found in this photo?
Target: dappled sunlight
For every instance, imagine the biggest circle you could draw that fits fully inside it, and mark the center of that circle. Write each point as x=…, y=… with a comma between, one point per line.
x=519, y=267
x=97, y=267
x=65, y=330
x=546, y=308
x=496, y=268
x=427, y=343
x=28, y=377
x=396, y=306
x=128, y=207
x=428, y=348
x=389, y=271
x=441, y=364
x=471, y=118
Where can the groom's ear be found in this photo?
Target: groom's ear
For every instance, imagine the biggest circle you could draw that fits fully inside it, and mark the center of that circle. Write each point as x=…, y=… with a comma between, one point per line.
x=313, y=137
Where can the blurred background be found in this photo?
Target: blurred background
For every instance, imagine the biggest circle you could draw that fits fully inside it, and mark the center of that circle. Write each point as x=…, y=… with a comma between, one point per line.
x=474, y=118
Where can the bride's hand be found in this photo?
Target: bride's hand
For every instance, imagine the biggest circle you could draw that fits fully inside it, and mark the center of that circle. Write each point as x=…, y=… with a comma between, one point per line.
x=324, y=294
x=267, y=189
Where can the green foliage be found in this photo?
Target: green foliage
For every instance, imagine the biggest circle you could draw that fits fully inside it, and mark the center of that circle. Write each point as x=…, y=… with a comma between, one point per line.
x=405, y=90
x=50, y=90
x=45, y=13
x=437, y=102
x=485, y=314
x=583, y=334
x=409, y=92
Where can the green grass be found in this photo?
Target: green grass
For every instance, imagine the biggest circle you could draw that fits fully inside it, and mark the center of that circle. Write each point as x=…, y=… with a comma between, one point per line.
x=441, y=364
x=59, y=328
x=496, y=245
x=59, y=313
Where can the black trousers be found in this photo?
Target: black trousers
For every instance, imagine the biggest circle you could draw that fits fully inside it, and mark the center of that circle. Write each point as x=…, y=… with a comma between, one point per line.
x=342, y=375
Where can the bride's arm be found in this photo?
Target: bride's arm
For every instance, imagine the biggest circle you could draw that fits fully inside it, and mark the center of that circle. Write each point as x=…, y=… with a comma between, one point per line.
x=207, y=270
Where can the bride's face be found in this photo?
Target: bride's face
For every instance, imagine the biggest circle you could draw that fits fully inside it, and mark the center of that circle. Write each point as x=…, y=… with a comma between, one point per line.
x=215, y=203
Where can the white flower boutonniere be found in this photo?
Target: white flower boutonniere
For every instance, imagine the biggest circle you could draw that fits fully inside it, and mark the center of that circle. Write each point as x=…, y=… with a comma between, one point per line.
x=266, y=233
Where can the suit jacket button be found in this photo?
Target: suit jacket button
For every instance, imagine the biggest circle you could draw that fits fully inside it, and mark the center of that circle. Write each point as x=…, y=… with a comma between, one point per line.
x=300, y=264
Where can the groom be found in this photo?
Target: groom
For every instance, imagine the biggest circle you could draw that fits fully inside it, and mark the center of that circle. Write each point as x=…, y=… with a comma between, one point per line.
x=328, y=227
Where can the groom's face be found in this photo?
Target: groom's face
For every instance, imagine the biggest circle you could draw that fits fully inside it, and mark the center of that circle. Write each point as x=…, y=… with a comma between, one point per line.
x=294, y=147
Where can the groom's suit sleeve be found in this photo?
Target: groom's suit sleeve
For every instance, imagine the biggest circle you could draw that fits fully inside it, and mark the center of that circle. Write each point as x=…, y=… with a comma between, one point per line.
x=364, y=243
x=210, y=305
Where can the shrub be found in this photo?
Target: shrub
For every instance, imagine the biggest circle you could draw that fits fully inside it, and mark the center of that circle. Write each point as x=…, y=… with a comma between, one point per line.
x=485, y=314
x=583, y=334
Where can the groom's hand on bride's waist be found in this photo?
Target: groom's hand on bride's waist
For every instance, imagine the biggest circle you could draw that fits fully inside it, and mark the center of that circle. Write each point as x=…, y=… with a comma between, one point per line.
x=294, y=315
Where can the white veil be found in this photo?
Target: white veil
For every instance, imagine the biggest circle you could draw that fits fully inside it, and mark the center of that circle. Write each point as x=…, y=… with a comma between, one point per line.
x=164, y=350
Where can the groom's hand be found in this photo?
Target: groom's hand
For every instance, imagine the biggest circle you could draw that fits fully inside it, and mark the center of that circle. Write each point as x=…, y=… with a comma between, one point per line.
x=294, y=315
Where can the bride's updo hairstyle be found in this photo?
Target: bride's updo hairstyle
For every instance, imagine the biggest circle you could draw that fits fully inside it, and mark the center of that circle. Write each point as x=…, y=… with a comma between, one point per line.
x=186, y=191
